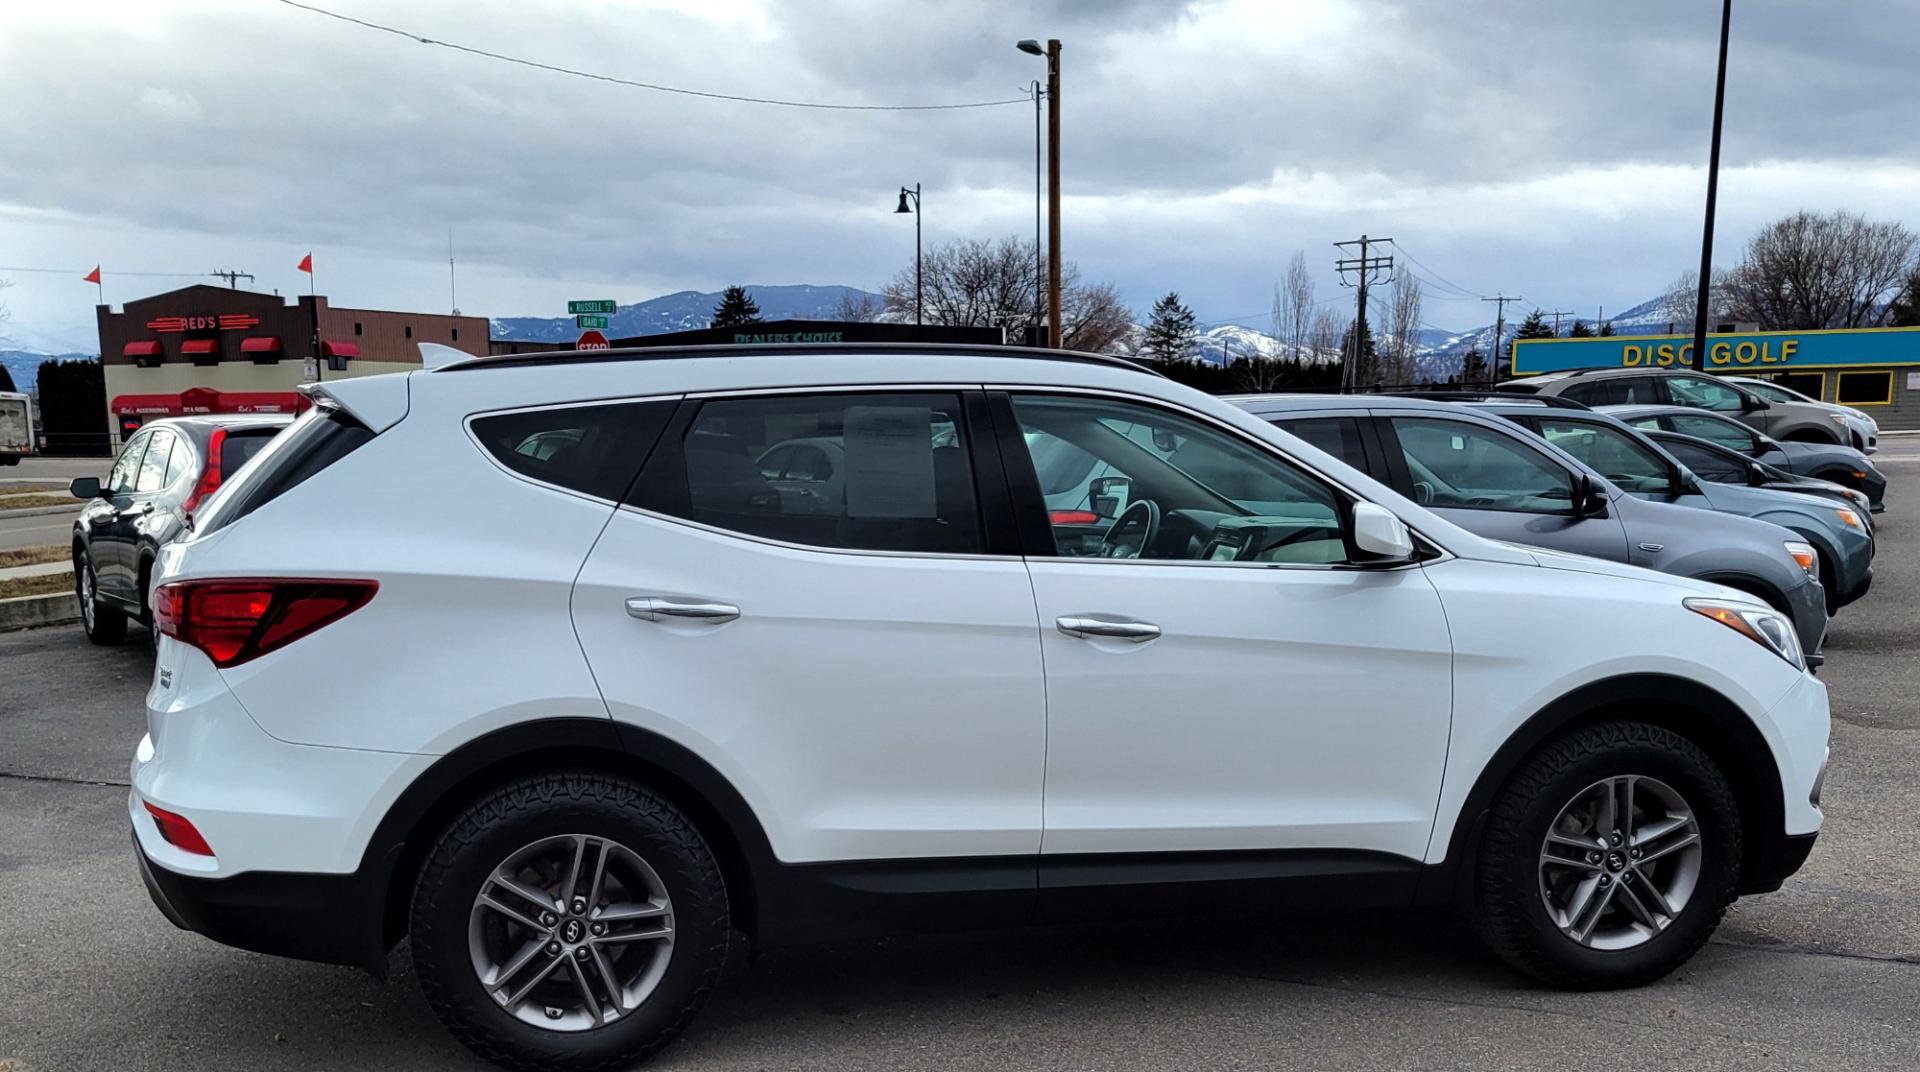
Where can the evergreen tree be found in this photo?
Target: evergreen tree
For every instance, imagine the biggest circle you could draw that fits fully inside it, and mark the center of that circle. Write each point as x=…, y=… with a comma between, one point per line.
x=1535, y=326
x=1606, y=329
x=1473, y=366
x=1365, y=364
x=736, y=307
x=1171, y=333
x=1579, y=330
x=1905, y=310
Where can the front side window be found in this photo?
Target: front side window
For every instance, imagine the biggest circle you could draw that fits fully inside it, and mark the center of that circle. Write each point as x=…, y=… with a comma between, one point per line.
x=1338, y=436
x=120, y=481
x=1707, y=463
x=1613, y=453
x=1771, y=392
x=1702, y=393
x=863, y=472
x=1126, y=480
x=153, y=465
x=1728, y=434
x=1469, y=466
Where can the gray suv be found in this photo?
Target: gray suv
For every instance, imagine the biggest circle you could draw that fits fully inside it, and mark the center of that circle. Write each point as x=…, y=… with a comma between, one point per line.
x=1493, y=478
x=1793, y=420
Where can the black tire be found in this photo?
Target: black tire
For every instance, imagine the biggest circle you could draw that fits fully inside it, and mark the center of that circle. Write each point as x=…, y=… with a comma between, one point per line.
x=103, y=624
x=1509, y=911
x=524, y=812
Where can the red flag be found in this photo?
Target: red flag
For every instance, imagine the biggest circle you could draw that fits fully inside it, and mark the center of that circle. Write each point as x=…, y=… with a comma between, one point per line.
x=93, y=276
x=306, y=264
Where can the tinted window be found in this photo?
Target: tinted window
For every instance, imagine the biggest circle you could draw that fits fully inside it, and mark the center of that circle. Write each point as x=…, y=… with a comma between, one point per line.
x=1702, y=393
x=1707, y=463
x=591, y=449
x=1772, y=393
x=1715, y=430
x=1178, y=488
x=1613, y=391
x=153, y=465
x=1613, y=453
x=239, y=448
x=120, y=480
x=1457, y=464
x=868, y=472
x=1338, y=436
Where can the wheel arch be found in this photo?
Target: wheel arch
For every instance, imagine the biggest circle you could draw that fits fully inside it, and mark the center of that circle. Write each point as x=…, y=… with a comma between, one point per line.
x=426, y=807
x=1688, y=708
x=1808, y=433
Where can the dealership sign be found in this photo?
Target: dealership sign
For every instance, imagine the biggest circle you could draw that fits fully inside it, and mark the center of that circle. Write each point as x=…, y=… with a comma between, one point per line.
x=1756, y=351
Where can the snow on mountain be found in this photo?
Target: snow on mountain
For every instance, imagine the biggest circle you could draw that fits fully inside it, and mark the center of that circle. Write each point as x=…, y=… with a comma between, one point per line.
x=684, y=310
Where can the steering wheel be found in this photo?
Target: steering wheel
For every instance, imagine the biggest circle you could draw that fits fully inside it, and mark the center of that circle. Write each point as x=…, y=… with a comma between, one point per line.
x=1119, y=540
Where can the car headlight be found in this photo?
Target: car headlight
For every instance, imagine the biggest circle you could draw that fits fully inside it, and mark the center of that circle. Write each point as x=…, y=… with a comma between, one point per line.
x=1803, y=553
x=1768, y=628
x=1848, y=517
x=1841, y=418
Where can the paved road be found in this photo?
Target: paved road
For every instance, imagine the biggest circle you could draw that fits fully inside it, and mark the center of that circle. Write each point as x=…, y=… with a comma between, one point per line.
x=44, y=528
x=1824, y=974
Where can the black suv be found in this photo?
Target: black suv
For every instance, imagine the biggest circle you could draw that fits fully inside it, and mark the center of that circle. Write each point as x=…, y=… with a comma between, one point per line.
x=165, y=471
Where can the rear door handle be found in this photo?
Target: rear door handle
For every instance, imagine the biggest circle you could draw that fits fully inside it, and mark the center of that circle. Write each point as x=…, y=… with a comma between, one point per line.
x=656, y=608
x=1100, y=625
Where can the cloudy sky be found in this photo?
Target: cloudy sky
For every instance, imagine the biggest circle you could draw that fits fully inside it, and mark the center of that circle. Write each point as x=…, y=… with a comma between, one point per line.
x=1548, y=148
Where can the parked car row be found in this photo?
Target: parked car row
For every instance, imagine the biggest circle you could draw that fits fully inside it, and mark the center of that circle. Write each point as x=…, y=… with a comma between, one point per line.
x=800, y=641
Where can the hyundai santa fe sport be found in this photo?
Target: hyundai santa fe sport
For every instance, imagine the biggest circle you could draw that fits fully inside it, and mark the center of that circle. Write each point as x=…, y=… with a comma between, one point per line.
x=646, y=701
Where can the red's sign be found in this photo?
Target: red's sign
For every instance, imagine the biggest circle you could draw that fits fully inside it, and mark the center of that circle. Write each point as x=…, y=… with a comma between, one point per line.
x=222, y=322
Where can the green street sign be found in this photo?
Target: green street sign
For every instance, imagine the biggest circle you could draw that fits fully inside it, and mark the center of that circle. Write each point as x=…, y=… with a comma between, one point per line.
x=577, y=307
x=590, y=321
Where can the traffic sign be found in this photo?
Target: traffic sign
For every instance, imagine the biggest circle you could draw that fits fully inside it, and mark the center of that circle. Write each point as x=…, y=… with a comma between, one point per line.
x=589, y=321
x=591, y=340
x=577, y=307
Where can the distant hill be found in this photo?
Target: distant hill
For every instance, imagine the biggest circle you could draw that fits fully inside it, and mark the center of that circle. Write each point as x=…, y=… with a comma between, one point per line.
x=684, y=310
x=24, y=365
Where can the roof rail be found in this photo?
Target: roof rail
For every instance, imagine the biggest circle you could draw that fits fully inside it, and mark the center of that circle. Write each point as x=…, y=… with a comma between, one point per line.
x=663, y=353
x=1552, y=401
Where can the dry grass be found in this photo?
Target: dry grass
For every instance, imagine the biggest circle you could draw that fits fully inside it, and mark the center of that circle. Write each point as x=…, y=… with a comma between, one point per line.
x=35, y=501
x=8, y=487
x=36, y=586
x=33, y=556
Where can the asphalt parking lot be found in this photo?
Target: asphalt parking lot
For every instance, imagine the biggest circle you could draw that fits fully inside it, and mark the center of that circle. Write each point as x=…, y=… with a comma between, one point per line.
x=1824, y=974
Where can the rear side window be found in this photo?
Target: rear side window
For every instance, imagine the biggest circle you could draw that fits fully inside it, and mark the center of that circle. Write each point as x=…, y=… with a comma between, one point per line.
x=1338, y=436
x=238, y=448
x=867, y=472
x=318, y=439
x=593, y=449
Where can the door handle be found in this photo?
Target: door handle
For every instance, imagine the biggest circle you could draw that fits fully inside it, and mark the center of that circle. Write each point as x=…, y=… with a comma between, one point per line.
x=1088, y=625
x=656, y=608
x=136, y=511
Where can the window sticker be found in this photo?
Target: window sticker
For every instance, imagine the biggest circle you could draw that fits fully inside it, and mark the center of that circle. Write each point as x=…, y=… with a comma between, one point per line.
x=889, y=464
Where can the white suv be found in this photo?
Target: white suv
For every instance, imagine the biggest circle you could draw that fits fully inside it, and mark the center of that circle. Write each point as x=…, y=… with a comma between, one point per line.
x=531, y=660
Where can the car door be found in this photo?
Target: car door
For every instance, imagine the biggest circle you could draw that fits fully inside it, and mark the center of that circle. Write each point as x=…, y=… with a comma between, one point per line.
x=868, y=678
x=1229, y=681
x=106, y=542
x=150, y=482
x=1494, y=482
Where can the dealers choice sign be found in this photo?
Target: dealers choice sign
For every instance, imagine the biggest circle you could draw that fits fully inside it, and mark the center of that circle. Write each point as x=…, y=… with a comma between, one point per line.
x=1758, y=351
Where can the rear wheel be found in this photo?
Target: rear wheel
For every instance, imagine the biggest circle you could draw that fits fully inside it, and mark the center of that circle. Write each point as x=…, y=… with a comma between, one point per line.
x=1609, y=857
x=569, y=921
x=102, y=624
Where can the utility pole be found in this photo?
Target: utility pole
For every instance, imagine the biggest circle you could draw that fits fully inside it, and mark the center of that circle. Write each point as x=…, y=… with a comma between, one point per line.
x=1499, y=328
x=232, y=277
x=1364, y=267
x=1053, y=192
x=1557, y=314
x=1713, y=188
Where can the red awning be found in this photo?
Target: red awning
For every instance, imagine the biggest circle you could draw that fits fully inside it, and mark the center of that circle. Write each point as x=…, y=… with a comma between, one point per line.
x=200, y=400
x=142, y=348
x=339, y=349
x=260, y=344
x=165, y=405
x=260, y=401
x=200, y=346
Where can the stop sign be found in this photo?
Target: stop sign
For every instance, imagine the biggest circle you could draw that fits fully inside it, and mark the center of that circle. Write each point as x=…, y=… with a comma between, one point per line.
x=591, y=340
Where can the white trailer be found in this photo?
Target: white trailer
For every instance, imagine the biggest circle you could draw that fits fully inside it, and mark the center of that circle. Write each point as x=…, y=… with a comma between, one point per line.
x=16, y=427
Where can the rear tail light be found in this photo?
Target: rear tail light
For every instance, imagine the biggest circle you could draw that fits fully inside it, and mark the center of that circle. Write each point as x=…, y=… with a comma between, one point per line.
x=235, y=620
x=210, y=479
x=175, y=830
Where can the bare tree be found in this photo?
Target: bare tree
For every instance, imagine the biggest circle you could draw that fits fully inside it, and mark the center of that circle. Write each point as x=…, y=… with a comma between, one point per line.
x=1678, y=303
x=984, y=283
x=1403, y=331
x=858, y=307
x=1323, y=338
x=1821, y=270
x=1293, y=307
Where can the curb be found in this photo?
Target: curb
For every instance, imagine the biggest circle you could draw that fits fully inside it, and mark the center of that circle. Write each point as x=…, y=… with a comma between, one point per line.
x=25, y=612
x=37, y=511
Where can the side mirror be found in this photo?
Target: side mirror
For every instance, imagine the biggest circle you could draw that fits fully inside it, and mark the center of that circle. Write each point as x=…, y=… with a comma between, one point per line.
x=1753, y=403
x=85, y=487
x=1109, y=495
x=1589, y=498
x=1756, y=476
x=1381, y=537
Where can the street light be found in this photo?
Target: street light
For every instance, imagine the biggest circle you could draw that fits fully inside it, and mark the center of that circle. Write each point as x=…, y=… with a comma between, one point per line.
x=918, y=299
x=1052, y=55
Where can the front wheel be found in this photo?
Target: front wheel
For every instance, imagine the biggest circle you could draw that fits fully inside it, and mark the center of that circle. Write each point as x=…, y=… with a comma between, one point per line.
x=102, y=624
x=570, y=921
x=1609, y=857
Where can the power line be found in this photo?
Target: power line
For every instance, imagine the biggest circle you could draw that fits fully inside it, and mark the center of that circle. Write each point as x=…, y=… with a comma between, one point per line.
x=1437, y=277
x=657, y=87
x=84, y=271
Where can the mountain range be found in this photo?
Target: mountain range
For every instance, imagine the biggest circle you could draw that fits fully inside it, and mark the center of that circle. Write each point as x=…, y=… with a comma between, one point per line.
x=686, y=310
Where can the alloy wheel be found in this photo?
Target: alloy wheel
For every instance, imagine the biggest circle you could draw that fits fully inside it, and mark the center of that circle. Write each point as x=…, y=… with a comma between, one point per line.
x=571, y=932
x=83, y=577
x=1620, y=862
